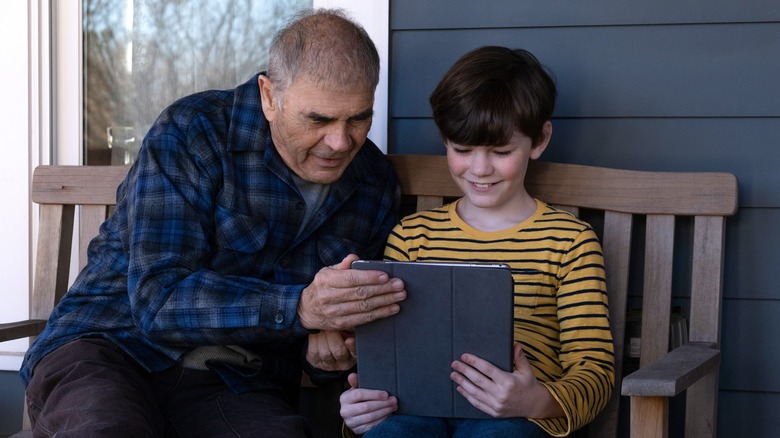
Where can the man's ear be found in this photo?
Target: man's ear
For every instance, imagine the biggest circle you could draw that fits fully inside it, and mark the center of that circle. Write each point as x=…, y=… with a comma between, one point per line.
x=268, y=97
x=538, y=148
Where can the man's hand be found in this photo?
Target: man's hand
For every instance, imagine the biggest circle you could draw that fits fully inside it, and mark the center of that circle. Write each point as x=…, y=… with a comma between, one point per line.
x=341, y=298
x=330, y=350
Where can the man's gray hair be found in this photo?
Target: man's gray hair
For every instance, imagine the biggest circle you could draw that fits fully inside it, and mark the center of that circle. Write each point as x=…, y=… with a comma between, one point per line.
x=326, y=46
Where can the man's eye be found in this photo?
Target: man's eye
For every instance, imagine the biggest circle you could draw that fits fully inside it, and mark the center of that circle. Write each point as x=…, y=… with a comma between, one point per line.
x=360, y=119
x=318, y=123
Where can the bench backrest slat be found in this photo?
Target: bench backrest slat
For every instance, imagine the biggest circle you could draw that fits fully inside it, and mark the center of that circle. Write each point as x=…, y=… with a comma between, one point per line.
x=78, y=185
x=657, y=296
x=630, y=191
x=52, y=265
x=707, y=277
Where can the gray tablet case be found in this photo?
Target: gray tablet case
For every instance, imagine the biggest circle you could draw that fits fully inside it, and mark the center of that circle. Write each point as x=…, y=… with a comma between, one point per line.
x=449, y=310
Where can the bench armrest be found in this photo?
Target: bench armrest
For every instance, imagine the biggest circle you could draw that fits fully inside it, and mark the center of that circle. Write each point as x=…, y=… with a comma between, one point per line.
x=674, y=372
x=21, y=329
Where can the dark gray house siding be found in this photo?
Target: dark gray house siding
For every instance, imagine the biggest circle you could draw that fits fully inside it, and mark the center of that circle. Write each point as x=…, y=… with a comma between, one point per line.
x=662, y=85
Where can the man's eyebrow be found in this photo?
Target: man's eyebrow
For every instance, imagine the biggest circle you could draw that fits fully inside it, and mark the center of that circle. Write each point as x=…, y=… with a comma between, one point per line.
x=322, y=118
x=317, y=117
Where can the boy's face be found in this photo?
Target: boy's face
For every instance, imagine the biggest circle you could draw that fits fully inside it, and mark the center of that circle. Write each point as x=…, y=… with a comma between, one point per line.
x=492, y=178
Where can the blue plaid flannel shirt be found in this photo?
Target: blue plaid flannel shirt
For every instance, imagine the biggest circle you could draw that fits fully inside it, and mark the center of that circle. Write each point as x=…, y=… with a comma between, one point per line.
x=203, y=247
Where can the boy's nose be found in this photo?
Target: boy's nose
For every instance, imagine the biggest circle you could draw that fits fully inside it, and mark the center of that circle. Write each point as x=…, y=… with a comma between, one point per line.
x=481, y=165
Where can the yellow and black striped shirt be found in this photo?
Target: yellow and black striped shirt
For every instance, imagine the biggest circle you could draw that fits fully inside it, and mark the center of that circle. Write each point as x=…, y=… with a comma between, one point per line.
x=561, y=316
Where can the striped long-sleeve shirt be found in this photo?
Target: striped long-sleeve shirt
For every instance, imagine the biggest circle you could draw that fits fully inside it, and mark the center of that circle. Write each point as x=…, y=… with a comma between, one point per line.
x=560, y=302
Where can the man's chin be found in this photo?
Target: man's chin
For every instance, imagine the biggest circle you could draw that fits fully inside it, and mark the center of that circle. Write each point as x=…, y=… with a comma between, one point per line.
x=324, y=175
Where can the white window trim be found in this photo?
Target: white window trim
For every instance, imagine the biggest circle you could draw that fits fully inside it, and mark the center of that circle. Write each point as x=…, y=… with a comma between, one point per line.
x=19, y=74
x=67, y=79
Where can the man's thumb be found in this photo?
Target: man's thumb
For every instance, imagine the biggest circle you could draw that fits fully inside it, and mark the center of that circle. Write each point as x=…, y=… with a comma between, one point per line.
x=347, y=262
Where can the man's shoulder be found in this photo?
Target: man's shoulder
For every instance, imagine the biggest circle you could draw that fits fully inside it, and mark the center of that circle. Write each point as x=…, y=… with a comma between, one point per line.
x=212, y=109
x=202, y=102
x=216, y=100
x=179, y=116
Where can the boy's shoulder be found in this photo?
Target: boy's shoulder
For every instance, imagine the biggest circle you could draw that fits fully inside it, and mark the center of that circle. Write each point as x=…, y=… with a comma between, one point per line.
x=551, y=213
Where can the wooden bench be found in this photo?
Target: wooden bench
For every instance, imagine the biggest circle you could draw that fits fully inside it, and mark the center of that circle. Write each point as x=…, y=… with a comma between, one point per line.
x=650, y=224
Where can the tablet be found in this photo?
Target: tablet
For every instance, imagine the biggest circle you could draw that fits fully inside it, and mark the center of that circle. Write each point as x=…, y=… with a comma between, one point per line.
x=450, y=309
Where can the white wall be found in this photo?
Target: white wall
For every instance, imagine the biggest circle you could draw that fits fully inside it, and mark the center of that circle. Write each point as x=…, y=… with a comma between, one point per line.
x=14, y=173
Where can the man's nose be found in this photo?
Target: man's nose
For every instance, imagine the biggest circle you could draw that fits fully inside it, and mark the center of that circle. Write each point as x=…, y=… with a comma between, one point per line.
x=338, y=138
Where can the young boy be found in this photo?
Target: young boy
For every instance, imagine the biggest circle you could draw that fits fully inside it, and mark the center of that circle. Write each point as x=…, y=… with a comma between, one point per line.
x=493, y=108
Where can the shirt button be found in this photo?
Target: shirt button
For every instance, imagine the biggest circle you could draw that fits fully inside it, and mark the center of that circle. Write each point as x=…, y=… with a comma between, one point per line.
x=279, y=318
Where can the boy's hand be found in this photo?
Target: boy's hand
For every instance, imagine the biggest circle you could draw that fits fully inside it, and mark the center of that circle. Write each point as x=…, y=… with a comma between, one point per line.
x=362, y=409
x=501, y=394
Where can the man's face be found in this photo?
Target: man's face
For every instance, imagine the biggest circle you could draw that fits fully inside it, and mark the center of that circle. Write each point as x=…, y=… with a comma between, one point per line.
x=317, y=129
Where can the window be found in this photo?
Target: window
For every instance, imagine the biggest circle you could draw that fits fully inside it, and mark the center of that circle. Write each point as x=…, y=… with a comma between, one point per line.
x=141, y=55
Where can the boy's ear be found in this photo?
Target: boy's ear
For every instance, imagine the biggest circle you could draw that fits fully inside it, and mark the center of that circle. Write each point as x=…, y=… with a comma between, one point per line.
x=538, y=148
x=267, y=97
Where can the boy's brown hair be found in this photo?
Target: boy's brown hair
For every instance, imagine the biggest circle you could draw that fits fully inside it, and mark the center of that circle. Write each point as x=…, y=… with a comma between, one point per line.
x=489, y=93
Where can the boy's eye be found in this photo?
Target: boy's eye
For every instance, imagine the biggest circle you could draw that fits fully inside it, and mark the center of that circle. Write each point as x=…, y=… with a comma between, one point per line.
x=502, y=153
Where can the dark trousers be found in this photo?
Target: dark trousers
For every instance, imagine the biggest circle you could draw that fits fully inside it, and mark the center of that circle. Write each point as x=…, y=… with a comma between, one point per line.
x=91, y=388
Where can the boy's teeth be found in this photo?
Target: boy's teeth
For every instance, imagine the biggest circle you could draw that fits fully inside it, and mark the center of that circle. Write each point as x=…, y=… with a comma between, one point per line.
x=482, y=186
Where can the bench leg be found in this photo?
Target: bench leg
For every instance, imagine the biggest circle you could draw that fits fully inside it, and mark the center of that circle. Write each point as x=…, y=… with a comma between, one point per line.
x=649, y=417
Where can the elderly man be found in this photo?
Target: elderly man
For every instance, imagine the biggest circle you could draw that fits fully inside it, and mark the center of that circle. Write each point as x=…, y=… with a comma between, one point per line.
x=225, y=268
